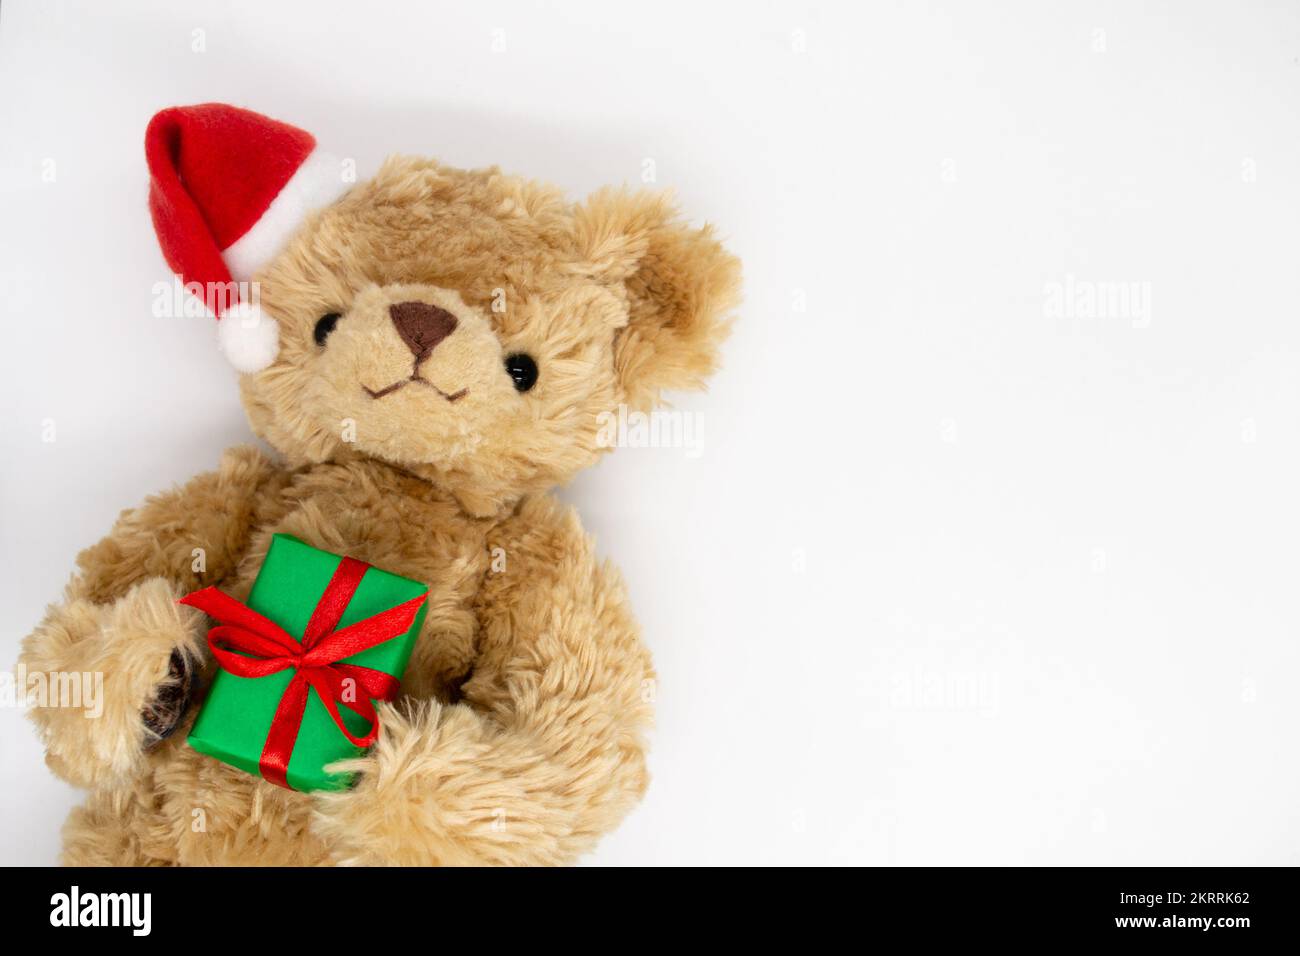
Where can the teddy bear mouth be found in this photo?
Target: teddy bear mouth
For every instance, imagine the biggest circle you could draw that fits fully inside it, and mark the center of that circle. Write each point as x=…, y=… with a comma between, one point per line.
x=415, y=377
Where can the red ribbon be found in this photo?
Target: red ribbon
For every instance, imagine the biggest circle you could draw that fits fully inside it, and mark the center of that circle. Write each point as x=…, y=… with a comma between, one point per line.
x=249, y=645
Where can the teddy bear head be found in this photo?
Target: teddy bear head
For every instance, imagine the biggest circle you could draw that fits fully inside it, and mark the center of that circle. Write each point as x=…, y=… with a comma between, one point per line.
x=471, y=327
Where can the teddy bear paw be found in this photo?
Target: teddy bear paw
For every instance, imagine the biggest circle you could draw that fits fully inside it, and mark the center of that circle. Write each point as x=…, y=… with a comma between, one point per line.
x=136, y=658
x=162, y=713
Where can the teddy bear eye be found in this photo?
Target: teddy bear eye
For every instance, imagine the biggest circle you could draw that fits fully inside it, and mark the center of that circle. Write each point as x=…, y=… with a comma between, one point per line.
x=523, y=370
x=325, y=326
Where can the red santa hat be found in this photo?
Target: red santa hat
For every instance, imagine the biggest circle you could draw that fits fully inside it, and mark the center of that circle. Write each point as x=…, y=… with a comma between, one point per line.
x=227, y=189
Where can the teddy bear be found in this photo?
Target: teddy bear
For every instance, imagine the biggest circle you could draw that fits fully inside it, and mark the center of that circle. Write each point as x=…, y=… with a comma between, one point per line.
x=428, y=353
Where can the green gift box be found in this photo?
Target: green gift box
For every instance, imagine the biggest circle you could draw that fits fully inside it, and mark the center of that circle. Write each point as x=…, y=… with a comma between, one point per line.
x=236, y=719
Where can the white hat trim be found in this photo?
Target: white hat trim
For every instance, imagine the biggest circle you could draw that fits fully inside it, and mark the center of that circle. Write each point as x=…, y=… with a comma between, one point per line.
x=315, y=184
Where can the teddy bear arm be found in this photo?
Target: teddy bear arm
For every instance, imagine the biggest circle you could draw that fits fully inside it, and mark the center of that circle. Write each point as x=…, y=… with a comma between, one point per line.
x=545, y=752
x=120, y=640
x=193, y=535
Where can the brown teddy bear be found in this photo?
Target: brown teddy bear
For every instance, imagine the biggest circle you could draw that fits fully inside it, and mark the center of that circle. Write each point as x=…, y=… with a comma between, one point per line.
x=429, y=352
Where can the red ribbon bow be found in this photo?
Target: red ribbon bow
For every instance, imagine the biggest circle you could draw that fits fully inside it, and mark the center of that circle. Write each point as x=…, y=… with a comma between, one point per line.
x=266, y=648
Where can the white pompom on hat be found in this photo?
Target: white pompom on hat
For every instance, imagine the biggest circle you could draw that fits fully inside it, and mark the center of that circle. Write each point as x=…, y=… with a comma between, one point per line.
x=227, y=189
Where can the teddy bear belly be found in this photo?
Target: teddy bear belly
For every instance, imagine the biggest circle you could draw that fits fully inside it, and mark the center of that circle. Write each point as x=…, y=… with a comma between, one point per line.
x=367, y=511
x=216, y=815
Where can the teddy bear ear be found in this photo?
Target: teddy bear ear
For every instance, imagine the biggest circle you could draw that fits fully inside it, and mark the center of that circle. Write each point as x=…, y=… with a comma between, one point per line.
x=681, y=287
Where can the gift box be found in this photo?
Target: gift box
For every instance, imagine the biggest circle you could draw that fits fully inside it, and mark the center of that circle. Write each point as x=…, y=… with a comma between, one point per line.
x=320, y=640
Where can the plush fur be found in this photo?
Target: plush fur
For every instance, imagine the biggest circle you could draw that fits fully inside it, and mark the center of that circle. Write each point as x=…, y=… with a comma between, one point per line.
x=519, y=735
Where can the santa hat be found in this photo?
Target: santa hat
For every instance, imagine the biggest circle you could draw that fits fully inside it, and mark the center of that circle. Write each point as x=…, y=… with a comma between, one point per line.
x=227, y=189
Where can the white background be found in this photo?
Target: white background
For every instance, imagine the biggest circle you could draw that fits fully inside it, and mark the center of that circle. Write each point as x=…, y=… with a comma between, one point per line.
x=957, y=578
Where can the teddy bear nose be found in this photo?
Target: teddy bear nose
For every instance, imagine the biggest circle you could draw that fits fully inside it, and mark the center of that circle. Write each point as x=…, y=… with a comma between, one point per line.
x=421, y=326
